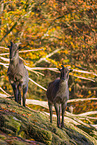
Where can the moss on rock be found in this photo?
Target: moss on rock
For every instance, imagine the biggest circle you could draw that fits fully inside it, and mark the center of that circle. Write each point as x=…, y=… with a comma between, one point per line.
x=25, y=125
x=40, y=134
x=2, y=142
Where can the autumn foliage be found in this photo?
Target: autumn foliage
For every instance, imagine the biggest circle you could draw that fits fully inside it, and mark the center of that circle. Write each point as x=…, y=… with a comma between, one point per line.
x=56, y=32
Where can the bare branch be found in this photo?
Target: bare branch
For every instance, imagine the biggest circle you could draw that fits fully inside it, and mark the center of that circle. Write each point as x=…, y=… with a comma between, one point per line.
x=44, y=68
x=37, y=102
x=4, y=54
x=5, y=92
x=47, y=56
x=3, y=95
x=4, y=48
x=87, y=113
x=30, y=50
x=5, y=65
x=74, y=117
x=55, y=69
x=94, y=118
x=83, y=78
x=44, y=103
x=24, y=51
x=37, y=84
x=87, y=88
x=86, y=72
x=31, y=69
x=51, y=69
x=4, y=59
x=85, y=99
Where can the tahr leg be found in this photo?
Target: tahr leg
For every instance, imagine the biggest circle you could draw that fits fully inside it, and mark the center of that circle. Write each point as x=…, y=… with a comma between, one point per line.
x=50, y=110
x=63, y=111
x=57, y=108
x=15, y=90
x=24, y=94
x=19, y=93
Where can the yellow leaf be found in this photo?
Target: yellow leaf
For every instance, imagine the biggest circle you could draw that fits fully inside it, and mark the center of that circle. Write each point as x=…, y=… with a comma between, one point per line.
x=58, y=27
x=89, y=92
x=72, y=44
x=66, y=51
x=32, y=139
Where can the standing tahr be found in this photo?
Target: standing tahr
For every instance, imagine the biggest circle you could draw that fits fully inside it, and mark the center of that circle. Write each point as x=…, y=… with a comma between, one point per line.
x=58, y=94
x=18, y=74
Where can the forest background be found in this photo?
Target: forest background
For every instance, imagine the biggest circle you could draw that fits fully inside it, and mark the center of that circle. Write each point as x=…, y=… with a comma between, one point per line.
x=52, y=32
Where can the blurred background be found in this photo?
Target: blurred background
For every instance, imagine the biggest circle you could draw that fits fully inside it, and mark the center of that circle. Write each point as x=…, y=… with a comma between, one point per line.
x=52, y=32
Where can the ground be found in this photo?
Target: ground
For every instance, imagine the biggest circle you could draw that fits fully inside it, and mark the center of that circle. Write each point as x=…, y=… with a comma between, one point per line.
x=23, y=126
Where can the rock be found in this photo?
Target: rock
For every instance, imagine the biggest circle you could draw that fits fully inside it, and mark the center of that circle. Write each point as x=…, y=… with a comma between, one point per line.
x=21, y=125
